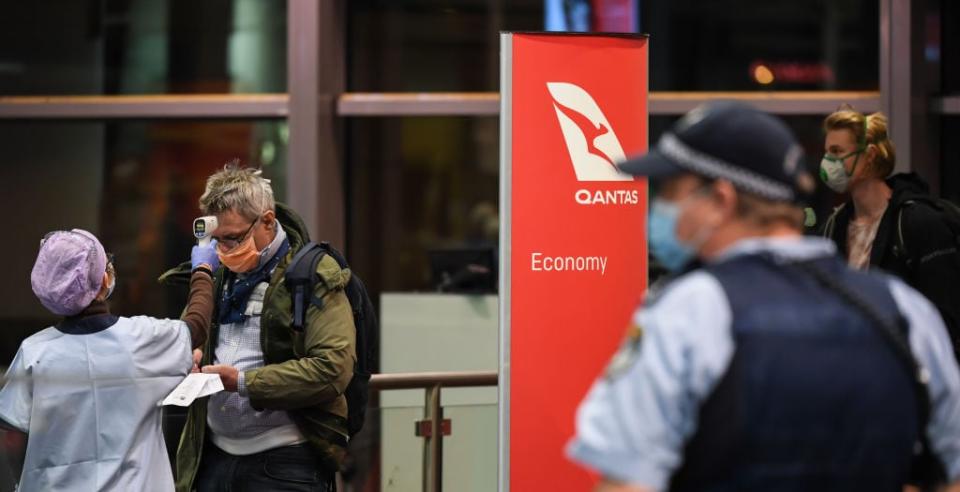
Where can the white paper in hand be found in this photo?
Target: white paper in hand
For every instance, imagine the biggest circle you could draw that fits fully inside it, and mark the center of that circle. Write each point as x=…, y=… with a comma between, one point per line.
x=196, y=385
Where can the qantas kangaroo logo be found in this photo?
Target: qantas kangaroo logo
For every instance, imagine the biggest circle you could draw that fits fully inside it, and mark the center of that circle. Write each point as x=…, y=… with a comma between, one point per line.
x=593, y=146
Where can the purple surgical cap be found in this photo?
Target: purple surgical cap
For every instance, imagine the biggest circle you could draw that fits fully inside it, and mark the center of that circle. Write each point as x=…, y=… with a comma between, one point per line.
x=68, y=272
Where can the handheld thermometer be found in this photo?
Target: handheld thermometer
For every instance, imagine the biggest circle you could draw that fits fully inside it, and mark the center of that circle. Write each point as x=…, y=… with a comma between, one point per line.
x=203, y=228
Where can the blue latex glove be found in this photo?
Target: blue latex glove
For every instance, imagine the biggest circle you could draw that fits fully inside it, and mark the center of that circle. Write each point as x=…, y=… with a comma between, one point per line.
x=205, y=255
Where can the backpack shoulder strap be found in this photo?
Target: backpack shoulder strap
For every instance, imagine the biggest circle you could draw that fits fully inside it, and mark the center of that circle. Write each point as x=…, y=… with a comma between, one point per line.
x=901, y=244
x=301, y=267
x=893, y=331
x=300, y=278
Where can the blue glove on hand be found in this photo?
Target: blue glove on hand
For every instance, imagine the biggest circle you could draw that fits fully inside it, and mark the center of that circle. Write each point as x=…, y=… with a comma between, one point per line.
x=205, y=255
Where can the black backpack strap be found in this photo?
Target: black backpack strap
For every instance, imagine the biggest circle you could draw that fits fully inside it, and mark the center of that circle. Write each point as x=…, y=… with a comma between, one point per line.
x=901, y=250
x=300, y=279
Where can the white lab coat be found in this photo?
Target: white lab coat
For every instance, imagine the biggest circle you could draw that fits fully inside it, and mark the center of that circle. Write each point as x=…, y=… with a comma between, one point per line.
x=90, y=404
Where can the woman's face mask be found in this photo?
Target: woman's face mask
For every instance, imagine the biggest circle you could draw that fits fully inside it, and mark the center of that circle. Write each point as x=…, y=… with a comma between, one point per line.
x=833, y=172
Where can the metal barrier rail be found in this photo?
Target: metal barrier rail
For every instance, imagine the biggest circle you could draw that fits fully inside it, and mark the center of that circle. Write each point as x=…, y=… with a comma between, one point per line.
x=432, y=382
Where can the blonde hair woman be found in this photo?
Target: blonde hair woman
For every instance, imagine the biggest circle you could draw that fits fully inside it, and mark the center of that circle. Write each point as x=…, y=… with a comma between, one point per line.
x=890, y=221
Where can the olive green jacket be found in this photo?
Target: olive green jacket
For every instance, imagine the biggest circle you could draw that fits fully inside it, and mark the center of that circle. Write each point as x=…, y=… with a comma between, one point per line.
x=304, y=373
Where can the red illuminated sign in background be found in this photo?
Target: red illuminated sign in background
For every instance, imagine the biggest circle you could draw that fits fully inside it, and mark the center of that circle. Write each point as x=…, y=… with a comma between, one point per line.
x=577, y=104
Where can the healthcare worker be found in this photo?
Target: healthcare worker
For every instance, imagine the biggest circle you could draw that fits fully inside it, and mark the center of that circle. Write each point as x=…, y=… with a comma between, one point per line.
x=87, y=390
x=770, y=365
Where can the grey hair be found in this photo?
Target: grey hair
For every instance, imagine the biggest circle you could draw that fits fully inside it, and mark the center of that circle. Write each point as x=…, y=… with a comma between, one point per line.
x=236, y=188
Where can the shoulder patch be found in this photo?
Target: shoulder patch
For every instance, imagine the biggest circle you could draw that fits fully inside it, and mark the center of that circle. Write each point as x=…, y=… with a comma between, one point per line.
x=627, y=354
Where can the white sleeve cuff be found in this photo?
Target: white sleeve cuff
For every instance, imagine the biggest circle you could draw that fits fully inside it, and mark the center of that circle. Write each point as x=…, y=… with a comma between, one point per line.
x=241, y=384
x=618, y=467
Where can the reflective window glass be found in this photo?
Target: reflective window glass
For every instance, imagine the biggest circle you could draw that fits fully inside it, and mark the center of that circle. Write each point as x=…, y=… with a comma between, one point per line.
x=418, y=185
x=739, y=45
x=142, y=47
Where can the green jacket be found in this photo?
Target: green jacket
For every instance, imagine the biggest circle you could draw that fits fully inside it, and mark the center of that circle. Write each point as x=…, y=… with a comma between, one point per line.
x=304, y=373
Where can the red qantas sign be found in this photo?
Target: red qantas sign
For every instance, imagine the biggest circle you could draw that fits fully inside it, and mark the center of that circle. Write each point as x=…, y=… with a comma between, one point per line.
x=577, y=105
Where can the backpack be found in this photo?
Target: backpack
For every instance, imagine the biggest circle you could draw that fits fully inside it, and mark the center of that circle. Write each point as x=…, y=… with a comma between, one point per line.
x=300, y=279
x=948, y=211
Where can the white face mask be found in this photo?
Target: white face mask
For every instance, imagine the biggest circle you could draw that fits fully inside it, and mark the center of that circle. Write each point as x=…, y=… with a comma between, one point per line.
x=834, y=174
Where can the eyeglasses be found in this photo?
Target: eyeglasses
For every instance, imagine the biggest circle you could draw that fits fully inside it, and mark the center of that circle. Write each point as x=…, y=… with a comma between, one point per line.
x=231, y=242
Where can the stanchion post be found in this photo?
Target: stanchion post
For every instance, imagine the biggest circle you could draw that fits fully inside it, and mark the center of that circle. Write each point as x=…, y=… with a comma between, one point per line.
x=433, y=443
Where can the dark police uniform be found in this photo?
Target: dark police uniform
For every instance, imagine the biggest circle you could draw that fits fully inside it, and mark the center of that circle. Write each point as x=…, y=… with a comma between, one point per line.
x=747, y=374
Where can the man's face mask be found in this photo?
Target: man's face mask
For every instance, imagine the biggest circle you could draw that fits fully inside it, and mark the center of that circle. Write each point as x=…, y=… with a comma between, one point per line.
x=662, y=236
x=672, y=253
x=244, y=257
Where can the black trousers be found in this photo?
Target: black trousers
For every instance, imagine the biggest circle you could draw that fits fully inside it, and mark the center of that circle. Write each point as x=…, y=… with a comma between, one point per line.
x=289, y=468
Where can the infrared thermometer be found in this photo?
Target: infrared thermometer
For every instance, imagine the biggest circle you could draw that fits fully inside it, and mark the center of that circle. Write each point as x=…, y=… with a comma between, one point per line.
x=203, y=228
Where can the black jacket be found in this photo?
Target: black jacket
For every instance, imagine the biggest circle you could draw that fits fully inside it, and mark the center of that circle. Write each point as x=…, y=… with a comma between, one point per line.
x=930, y=262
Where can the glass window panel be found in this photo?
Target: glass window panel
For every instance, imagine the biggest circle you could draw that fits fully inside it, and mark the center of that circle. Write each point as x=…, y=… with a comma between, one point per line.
x=417, y=184
x=429, y=45
x=432, y=45
x=133, y=184
x=143, y=47
x=762, y=45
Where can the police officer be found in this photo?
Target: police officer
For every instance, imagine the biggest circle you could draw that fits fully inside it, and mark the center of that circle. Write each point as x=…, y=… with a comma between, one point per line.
x=767, y=364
